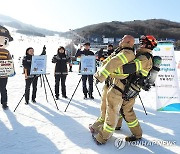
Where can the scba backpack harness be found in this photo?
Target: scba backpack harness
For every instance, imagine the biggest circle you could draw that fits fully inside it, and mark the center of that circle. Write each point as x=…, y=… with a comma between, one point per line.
x=134, y=82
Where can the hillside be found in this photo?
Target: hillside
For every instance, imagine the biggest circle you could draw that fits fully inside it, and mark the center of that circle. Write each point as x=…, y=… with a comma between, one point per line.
x=160, y=28
x=25, y=28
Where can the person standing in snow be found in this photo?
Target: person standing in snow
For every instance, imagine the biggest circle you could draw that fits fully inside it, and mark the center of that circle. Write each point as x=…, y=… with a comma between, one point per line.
x=112, y=99
x=61, y=71
x=29, y=79
x=86, y=52
x=145, y=57
x=107, y=122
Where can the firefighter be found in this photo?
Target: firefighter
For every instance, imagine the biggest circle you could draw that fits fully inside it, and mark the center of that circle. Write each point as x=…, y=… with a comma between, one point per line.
x=141, y=66
x=147, y=44
x=112, y=98
x=99, y=122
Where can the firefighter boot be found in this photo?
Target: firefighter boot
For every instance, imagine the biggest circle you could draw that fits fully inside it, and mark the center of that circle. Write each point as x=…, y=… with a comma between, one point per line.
x=132, y=138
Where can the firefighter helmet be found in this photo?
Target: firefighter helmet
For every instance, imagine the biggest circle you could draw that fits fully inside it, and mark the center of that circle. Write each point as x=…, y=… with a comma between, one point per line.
x=149, y=41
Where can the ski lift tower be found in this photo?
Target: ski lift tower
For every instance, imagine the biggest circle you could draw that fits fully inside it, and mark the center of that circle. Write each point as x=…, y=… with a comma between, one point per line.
x=77, y=35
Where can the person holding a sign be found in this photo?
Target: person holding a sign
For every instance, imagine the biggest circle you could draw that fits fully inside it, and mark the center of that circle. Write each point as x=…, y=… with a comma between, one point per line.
x=86, y=52
x=61, y=71
x=29, y=79
x=4, y=55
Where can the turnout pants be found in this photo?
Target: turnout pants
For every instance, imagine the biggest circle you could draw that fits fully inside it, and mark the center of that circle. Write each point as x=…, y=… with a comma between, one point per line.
x=30, y=81
x=100, y=121
x=59, y=77
x=3, y=90
x=110, y=108
x=129, y=116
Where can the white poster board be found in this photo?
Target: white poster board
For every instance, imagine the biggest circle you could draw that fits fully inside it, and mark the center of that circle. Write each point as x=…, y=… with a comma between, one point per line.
x=88, y=65
x=167, y=87
x=105, y=40
x=7, y=68
x=38, y=65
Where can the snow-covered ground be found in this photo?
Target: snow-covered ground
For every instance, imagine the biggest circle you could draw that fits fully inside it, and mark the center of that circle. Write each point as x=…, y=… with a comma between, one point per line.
x=42, y=129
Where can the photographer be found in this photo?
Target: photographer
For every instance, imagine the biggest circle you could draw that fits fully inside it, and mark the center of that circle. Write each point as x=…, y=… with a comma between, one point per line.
x=61, y=71
x=29, y=79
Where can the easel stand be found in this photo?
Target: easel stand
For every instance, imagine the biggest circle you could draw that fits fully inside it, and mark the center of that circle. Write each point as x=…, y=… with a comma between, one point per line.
x=75, y=92
x=43, y=79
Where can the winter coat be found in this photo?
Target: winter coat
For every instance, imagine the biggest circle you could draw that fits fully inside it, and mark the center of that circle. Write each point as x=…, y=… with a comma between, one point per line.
x=84, y=52
x=122, y=58
x=27, y=63
x=109, y=52
x=61, y=61
x=101, y=54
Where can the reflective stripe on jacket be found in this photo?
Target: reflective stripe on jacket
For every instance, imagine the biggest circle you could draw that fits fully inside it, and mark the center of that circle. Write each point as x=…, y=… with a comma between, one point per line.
x=116, y=62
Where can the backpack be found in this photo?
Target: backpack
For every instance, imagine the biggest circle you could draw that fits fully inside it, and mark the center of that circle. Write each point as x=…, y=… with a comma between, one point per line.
x=135, y=83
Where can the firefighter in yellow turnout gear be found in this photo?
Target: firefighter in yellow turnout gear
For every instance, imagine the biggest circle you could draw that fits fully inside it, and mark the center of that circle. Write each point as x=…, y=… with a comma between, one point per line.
x=147, y=44
x=112, y=98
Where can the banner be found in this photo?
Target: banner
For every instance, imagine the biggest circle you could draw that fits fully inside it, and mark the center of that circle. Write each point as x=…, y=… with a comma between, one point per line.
x=7, y=68
x=167, y=87
x=38, y=65
x=88, y=65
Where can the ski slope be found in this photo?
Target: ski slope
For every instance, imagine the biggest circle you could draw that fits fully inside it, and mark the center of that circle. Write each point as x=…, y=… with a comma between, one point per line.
x=42, y=129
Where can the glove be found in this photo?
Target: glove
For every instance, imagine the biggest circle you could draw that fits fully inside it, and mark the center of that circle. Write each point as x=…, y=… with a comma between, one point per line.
x=54, y=60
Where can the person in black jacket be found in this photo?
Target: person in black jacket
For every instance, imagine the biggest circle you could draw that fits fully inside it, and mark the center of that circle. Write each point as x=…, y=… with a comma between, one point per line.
x=110, y=49
x=29, y=79
x=86, y=52
x=101, y=54
x=61, y=71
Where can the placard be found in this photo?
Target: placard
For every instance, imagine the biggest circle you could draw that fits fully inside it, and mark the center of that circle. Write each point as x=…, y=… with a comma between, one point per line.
x=7, y=68
x=167, y=87
x=38, y=65
x=88, y=65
